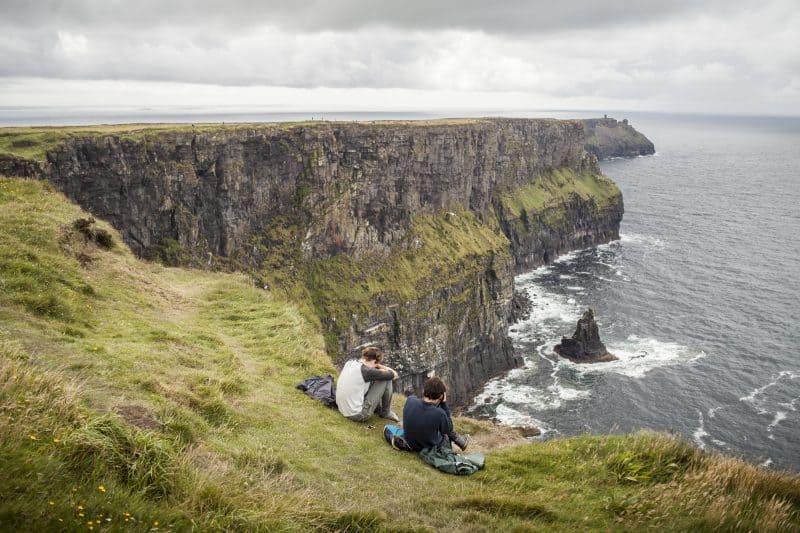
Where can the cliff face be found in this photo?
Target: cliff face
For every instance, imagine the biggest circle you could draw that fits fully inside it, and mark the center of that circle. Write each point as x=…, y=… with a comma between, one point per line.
x=399, y=231
x=605, y=138
x=557, y=213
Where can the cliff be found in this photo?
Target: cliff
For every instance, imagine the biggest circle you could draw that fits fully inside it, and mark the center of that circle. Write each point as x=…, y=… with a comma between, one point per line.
x=403, y=234
x=605, y=138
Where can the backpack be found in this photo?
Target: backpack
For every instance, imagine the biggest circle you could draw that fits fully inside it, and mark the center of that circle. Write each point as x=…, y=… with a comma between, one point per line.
x=395, y=436
x=321, y=388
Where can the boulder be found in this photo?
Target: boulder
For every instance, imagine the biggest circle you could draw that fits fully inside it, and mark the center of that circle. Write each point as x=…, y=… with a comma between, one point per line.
x=585, y=345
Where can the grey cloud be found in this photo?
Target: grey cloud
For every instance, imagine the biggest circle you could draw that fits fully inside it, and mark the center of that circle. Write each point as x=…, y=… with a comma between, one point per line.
x=510, y=16
x=571, y=49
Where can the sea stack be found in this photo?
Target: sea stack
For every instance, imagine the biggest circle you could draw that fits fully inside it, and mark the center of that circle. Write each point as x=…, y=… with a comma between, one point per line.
x=585, y=345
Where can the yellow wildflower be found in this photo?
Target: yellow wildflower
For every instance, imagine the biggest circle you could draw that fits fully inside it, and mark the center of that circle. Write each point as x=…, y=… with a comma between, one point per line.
x=80, y=514
x=56, y=440
x=101, y=488
x=80, y=507
x=33, y=437
x=51, y=502
x=155, y=523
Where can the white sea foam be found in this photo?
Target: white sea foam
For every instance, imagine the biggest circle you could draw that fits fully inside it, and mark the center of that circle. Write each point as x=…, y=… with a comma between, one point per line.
x=607, y=246
x=573, y=288
x=713, y=411
x=636, y=238
x=637, y=356
x=511, y=417
x=758, y=396
x=792, y=406
x=533, y=398
x=700, y=355
x=568, y=257
x=779, y=417
x=700, y=433
x=767, y=463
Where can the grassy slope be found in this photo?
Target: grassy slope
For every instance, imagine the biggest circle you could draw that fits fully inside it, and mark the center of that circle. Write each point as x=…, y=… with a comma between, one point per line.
x=555, y=188
x=213, y=435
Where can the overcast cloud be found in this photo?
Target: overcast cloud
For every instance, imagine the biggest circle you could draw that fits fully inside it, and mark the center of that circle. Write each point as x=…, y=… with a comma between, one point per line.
x=716, y=56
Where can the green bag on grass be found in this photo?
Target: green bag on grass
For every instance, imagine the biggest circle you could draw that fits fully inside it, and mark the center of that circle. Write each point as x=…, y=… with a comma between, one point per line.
x=443, y=458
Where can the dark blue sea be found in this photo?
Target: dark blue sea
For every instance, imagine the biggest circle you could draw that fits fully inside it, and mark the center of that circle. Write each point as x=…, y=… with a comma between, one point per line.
x=699, y=299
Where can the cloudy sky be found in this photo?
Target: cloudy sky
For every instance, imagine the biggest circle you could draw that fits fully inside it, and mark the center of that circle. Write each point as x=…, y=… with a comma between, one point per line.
x=664, y=55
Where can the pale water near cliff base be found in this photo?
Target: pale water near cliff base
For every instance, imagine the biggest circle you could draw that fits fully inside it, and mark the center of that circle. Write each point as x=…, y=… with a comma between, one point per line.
x=700, y=299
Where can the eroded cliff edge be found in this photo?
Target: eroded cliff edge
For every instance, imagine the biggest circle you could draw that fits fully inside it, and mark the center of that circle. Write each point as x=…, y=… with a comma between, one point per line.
x=404, y=234
x=607, y=138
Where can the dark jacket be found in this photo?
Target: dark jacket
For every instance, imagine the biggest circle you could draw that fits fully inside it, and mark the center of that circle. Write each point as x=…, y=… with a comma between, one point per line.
x=425, y=424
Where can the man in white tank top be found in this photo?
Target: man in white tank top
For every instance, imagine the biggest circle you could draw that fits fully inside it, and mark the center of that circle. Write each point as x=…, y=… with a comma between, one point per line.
x=365, y=387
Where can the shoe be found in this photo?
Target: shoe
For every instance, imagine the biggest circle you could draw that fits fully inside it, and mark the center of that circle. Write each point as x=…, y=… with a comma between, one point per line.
x=462, y=441
x=391, y=415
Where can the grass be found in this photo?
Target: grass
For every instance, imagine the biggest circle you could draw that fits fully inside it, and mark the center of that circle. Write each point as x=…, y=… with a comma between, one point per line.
x=555, y=189
x=142, y=397
x=34, y=143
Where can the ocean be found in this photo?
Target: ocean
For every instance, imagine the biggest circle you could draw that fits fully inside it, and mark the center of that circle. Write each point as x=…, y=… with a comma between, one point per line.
x=699, y=299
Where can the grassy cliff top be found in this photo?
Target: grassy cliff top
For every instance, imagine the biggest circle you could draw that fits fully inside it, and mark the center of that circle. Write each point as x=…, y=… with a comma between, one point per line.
x=33, y=143
x=556, y=187
x=136, y=397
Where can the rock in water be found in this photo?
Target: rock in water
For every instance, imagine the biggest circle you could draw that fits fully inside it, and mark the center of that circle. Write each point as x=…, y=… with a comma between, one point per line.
x=585, y=345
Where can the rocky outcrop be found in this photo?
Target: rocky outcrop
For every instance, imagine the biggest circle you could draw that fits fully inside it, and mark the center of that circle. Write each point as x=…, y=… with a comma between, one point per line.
x=606, y=138
x=585, y=345
x=404, y=234
x=22, y=168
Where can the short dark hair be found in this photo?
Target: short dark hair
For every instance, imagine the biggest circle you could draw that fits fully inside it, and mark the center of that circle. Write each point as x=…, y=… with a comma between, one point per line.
x=371, y=353
x=434, y=388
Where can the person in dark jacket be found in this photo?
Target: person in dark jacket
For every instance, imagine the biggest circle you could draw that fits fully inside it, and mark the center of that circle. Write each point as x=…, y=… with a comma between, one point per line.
x=427, y=421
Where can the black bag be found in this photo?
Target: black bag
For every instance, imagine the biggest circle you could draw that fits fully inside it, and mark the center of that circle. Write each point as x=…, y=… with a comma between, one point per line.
x=321, y=388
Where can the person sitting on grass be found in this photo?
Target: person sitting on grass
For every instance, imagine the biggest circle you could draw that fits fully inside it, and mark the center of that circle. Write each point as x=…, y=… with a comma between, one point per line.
x=365, y=387
x=427, y=422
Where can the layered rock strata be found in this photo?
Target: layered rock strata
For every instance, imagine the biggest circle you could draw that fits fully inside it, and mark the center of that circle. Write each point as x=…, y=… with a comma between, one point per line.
x=405, y=235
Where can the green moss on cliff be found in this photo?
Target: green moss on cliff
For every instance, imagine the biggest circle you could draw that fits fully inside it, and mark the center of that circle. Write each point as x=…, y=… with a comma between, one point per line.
x=440, y=251
x=556, y=188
